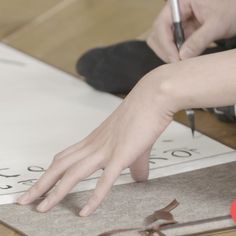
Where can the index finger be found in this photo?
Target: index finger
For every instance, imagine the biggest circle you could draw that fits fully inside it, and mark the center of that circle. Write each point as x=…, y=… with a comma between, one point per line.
x=104, y=185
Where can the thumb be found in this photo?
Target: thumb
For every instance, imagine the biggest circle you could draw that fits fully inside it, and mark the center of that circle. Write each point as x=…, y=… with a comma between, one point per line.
x=197, y=42
x=140, y=168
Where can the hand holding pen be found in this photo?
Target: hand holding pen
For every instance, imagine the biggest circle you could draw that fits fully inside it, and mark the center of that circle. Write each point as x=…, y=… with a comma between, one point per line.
x=205, y=21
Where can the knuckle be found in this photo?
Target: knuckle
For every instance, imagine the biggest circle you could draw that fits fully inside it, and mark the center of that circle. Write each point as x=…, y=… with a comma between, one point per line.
x=57, y=162
x=73, y=176
x=57, y=156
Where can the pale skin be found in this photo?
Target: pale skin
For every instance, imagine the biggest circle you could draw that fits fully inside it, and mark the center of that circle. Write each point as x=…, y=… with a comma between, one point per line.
x=126, y=137
x=204, y=21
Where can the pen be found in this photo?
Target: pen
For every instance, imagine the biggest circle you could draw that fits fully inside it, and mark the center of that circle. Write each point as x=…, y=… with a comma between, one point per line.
x=179, y=40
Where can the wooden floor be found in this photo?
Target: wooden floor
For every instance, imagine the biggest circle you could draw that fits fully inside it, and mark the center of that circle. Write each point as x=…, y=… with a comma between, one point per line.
x=59, y=31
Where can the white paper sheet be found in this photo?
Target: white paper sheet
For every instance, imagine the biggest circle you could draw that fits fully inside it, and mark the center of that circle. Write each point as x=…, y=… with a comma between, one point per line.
x=44, y=110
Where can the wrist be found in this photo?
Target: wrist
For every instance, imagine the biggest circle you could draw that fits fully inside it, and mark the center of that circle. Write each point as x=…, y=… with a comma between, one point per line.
x=198, y=82
x=161, y=91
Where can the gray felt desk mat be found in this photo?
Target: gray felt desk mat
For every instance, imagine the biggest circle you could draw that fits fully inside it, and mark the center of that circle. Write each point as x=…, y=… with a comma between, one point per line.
x=202, y=194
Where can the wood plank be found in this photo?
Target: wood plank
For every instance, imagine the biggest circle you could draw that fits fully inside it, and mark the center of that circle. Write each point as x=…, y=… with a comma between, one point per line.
x=7, y=231
x=81, y=25
x=16, y=13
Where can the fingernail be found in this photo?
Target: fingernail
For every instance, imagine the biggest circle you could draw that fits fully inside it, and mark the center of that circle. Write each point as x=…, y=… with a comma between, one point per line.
x=85, y=211
x=24, y=199
x=185, y=53
x=43, y=205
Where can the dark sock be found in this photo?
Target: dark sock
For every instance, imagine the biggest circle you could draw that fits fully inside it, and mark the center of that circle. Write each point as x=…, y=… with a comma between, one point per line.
x=117, y=68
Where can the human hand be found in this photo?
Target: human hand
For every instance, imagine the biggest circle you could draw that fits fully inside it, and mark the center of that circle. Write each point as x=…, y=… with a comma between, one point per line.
x=127, y=135
x=124, y=138
x=204, y=21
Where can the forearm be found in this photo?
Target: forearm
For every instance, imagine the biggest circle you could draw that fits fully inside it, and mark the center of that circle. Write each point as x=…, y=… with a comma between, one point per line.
x=206, y=81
